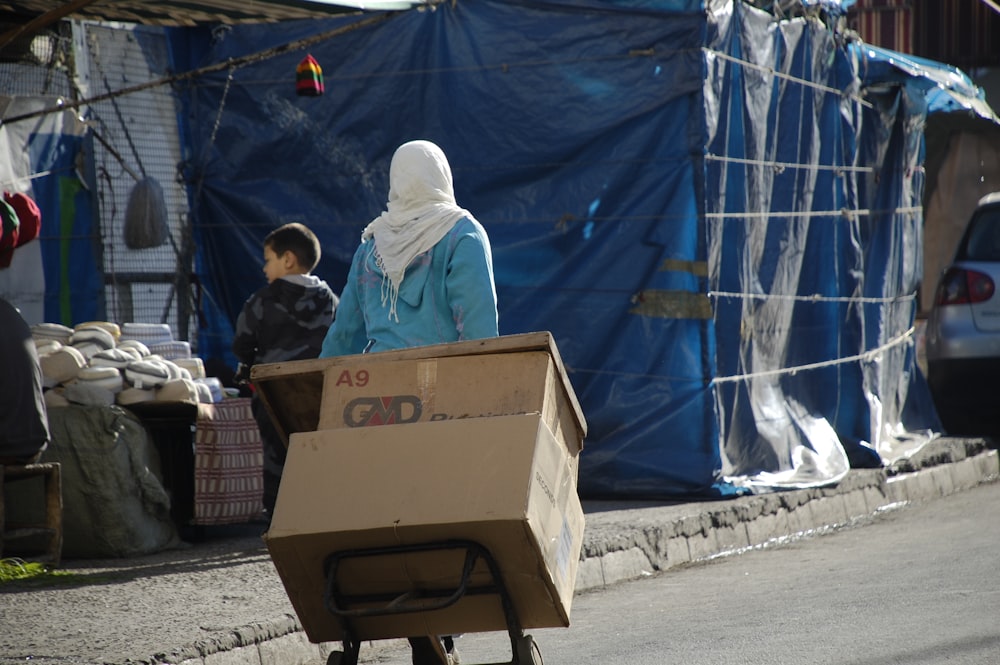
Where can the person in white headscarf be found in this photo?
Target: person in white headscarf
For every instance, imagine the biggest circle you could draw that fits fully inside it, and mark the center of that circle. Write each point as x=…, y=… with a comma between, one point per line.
x=423, y=273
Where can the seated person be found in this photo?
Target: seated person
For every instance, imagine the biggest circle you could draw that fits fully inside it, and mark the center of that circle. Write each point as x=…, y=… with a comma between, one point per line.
x=24, y=424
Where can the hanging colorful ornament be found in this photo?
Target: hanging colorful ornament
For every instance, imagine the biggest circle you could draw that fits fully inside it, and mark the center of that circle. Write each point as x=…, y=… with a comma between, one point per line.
x=309, y=78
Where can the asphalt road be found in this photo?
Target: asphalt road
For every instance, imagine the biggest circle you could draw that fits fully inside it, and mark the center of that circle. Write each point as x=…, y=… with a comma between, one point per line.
x=917, y=586
x=914, y=585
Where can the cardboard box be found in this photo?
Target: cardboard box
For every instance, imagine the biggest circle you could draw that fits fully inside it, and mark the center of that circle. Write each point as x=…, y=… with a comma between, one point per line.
x=505, y=482
x=505, y=375
x=474, y=441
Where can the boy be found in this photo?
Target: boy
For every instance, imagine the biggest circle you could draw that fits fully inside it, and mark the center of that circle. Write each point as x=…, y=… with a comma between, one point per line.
x=286, y=320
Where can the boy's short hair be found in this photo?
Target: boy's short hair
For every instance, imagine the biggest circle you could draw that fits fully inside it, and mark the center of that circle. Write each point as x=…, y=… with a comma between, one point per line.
x=299, y=240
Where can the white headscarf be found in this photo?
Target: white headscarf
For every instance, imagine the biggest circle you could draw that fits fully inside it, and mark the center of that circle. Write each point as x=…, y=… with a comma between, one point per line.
x=420, y=211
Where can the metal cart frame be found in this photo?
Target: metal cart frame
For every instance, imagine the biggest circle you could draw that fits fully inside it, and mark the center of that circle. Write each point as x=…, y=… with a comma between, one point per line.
x=346, y=608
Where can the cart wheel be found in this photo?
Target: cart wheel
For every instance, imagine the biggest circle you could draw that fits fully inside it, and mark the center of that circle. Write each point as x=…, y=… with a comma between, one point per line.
x=528, y=652
x=335, y=658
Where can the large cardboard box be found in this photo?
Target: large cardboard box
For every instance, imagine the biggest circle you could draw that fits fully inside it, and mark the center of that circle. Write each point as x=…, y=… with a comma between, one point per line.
x=505, y=482
x=506, y=375
x=475, y=441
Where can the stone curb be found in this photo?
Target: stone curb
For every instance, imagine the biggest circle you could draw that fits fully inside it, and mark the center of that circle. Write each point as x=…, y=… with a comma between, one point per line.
x=737, y=525
x=770, y=518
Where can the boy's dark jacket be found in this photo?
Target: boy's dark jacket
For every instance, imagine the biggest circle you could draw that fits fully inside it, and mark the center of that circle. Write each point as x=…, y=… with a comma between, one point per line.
x=285, y=320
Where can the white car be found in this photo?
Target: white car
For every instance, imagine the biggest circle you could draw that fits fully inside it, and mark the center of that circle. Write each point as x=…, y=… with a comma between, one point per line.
x=963, y=328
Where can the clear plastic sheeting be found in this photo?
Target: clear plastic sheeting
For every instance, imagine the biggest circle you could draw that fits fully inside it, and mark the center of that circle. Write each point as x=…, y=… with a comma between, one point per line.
x=946, y=88
x=711, y=210
x=963, y=149
x=814, y=231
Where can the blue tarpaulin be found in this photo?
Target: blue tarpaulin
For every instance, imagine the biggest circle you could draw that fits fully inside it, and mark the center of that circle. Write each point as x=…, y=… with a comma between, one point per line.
x=714, y=213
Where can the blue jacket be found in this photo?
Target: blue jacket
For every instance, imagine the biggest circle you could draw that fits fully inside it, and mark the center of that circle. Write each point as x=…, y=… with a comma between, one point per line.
x=447, y=295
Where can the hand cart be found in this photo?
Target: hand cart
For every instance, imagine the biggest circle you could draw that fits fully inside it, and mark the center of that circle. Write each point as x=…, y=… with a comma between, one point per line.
x=413, y=563
x=348, y=608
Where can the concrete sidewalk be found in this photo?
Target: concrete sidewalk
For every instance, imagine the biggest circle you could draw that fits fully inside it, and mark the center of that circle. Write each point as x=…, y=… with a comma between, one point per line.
x=221, y=603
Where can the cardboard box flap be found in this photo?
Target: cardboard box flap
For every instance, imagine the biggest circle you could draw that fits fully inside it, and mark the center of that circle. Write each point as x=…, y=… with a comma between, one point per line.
x=292, y=391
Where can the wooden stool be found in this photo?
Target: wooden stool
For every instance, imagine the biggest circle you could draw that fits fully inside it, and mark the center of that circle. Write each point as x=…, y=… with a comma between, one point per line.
x=52, y=527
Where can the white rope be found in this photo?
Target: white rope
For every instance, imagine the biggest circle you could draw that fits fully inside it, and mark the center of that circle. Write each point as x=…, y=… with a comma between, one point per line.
x=867, y=355
x=788, y=77
x=781, y=166
x=811, y=298
x=992, y=5
x=861, y=212
x=39, y=174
